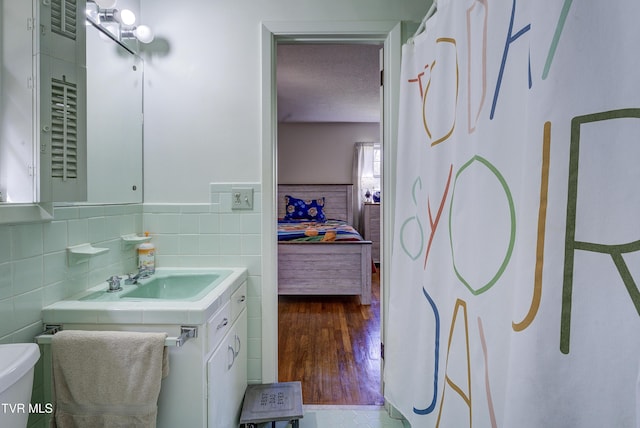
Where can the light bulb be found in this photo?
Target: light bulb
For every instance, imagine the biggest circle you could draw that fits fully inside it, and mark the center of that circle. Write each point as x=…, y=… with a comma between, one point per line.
x=126, y=17
x=92, y=12
x=106, y=4
x=144, y=34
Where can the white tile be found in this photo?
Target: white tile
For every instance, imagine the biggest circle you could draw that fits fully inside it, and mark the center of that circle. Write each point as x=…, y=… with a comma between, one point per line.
x=189, y=223
x=214, y=197
x=254, y=327
x=76, y=284
x=77, y=232
x=130, y=223
x=209, y=244
x=220, y=187
x=27, y=307
x=112, y=227
x=254, y=307
x=27, y=241
x=167, y=245
x=230, y=245
x=205, y=260
x=65, y=213
x=257, y=202
x=81, y=316
x=209, y=223
x=250, y=223
x=189, y=244
x=230, y=260
x=7, y=317
x=97, y=229
x=161, y=208
x=254, y=286
x=254, y=348
x=55, y=267
x=251, y=245
x=6, y=289
x=167, y=223
x=254, y=370
x=5, y=248
x=191, y=261
x=116, y=316
x=167, y=261
x=53, y=293
x=117, y=210
x=229, y=223
x=225, y=203
x=27, y=275
x=55, y=236
x=194, y=208
x=91, y=211
x=168, y=316
x=253, y=264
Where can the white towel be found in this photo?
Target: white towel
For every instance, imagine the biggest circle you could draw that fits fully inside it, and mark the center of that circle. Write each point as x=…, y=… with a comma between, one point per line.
x=107, y=378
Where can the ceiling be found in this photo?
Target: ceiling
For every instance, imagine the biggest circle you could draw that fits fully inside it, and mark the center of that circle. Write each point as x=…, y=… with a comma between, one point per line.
x=328, y=82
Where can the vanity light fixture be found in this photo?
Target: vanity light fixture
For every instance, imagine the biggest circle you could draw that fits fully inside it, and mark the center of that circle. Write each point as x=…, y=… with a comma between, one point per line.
x=143, y=33
x=103, y=13
x=106, y=4
x=122, y=17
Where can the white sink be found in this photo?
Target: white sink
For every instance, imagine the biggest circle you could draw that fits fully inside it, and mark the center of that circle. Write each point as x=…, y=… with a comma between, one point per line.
x=16, y=381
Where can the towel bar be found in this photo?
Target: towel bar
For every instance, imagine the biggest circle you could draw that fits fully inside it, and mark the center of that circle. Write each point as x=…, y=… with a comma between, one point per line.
x=186, y=333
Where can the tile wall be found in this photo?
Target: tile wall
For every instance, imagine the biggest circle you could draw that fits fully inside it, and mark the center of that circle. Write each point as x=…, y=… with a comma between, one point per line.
x=34, y=271
x=202, y=235
x=33, y=259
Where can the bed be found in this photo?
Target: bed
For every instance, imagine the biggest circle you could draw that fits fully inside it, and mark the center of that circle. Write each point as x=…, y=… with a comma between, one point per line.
x=340, y=266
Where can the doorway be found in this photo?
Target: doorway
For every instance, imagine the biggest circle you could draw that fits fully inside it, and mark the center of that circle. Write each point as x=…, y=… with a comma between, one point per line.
x=387, y=33
x=328, y=98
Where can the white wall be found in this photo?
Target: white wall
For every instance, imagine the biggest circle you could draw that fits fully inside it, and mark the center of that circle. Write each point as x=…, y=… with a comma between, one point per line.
x=202, y=94
x=320, y=153
x=204, y=110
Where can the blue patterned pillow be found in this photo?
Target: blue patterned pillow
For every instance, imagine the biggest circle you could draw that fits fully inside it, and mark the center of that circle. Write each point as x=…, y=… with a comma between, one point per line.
x=299, y=209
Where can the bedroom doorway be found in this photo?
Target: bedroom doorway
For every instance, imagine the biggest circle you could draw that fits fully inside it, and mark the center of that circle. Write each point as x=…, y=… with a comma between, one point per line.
x=329, y=99
x=390, y=34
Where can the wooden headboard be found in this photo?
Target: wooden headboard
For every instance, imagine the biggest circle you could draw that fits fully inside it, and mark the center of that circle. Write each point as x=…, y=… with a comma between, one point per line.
x=338, y=198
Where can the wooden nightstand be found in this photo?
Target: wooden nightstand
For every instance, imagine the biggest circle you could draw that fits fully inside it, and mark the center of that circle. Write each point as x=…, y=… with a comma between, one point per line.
x=371, y=227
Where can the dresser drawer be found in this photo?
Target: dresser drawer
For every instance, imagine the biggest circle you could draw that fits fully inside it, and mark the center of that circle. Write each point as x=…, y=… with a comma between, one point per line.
x=238, y=300
x=217, y=326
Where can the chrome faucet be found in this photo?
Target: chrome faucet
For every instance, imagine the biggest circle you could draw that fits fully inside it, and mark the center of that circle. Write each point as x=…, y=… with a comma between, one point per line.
x=114, y=284
x=133, y=279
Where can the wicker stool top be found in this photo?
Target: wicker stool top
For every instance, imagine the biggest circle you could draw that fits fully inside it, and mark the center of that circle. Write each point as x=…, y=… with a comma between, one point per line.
x=272, y=402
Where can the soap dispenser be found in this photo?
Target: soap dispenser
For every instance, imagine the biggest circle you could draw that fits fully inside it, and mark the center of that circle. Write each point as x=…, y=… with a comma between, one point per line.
x=147, y=257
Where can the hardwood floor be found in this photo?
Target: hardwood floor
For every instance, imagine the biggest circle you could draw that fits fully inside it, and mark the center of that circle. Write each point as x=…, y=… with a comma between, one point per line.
x=332, y=345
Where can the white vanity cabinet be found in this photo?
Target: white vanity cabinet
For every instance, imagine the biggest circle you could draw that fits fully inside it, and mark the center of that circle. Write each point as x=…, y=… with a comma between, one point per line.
x=207, y=374
x=227, y=366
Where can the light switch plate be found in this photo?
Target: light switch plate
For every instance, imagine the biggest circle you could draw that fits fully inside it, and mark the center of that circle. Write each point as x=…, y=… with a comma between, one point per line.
x=242, y=198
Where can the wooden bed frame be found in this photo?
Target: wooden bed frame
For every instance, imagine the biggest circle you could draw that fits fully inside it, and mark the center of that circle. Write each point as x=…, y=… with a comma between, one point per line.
x=324, y=268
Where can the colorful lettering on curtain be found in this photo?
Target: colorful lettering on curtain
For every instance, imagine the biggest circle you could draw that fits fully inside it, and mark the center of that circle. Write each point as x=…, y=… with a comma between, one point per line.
x=515, y=272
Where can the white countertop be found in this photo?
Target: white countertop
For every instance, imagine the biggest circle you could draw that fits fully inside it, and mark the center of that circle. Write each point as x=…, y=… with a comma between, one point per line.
x=145, y=311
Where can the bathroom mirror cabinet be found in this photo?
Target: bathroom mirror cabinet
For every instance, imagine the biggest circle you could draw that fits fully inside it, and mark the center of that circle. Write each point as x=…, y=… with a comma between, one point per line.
x=70, y=112
x=114, y=121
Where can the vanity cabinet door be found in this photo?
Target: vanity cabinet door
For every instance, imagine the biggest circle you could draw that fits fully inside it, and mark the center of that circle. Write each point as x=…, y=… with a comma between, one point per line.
x=227, y=377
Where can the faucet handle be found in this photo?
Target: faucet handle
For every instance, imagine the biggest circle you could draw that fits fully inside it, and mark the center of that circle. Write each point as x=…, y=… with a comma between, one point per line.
x=114, y=283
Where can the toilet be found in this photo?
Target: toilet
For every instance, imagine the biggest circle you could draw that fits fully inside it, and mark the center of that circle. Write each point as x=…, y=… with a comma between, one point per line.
x=17, y=361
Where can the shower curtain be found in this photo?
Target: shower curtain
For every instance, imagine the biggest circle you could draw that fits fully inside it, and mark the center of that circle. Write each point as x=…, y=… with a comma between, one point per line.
x=514, y=296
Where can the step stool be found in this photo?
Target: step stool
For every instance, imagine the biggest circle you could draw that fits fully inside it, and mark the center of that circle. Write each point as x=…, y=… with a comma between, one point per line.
x=272, y=402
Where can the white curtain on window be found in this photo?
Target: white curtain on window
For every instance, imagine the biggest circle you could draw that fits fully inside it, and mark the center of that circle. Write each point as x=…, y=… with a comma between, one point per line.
x=363, y=177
